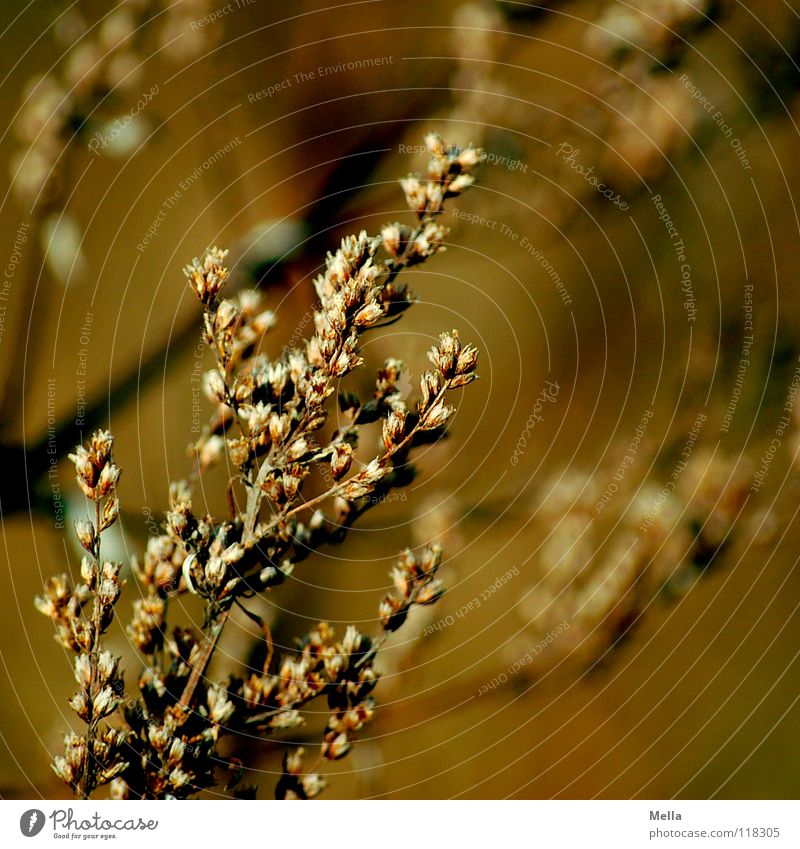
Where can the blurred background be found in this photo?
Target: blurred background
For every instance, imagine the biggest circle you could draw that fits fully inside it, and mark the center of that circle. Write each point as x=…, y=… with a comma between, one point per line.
x=618, y=494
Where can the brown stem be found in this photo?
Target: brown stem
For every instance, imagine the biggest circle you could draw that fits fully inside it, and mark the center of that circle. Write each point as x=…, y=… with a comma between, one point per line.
x=199, y=668
x=86, y=784
x=265, y=630
x=255, y=493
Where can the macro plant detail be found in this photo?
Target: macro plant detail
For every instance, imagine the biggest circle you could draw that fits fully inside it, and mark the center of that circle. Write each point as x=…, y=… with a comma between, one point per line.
x=581, y=580
x=297, y=483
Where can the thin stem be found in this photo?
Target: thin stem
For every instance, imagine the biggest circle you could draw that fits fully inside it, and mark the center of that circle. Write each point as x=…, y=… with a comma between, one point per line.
x=198, y=670
x=86, y=784
x=265, y=630
x=374, y=649
x=254, y=495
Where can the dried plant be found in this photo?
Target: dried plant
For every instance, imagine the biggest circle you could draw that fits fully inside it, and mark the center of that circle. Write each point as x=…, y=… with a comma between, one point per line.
x=604, y=561
x=102, y=65
x=97, y=757
x=269, y=419
x=652, y=116
x=625, y=123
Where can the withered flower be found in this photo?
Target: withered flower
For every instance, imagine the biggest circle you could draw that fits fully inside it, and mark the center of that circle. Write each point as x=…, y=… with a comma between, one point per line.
x=269, y=415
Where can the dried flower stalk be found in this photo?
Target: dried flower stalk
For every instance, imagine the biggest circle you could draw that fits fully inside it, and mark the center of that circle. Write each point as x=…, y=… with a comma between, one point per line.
x=98, y=757
x=268, y=419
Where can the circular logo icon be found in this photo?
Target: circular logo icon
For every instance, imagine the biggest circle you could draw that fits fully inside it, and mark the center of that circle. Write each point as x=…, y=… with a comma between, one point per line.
x=31, y=822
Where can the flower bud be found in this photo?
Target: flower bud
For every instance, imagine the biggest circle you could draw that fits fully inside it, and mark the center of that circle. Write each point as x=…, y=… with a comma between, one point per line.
x=79, y=702
x=467, y=360
x=101, y=444
x=158, y=736
x=75, y=750
x=297, y=449
x=278, y=426
x=85, y=532
x=83, y=671
x=430, y=559
x=391, y=238
x=435, y=144
x=291, y=483
x=341, y=509
x=430, y=385
x=394, y=428
x=436, y=417
x=214, y=386
x=105, y=702
x=415, y=194
x=110, y=513
x=108, y=478
x=106, y=666
x=341, y=459
x=430, y=593
x=460, y=184
x=88, y=571
x=368, y=315
x=469, y=158
x=336, y=748
x=176, y=751
x=215, y=571
x=84, y=467
x=227, y=314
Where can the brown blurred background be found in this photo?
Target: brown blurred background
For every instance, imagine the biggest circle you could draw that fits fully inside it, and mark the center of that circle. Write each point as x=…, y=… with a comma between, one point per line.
x=687, y=690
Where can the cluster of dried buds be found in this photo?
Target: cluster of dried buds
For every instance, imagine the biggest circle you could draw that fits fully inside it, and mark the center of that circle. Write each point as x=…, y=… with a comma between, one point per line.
x=98, y=757
x=449, y=173
x=173, y=754
x=415, y=582
x=157, y=577
x=600, y=572
x=269, y=412
x=344, y=672
x=269, y=415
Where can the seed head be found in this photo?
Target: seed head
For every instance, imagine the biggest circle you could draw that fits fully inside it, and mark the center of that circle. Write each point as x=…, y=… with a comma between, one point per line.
x=207, y=277
x=85, y=532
